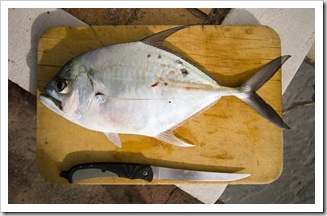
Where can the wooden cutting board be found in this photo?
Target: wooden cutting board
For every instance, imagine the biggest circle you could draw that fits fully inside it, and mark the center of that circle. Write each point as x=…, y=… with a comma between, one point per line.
x=229, y=136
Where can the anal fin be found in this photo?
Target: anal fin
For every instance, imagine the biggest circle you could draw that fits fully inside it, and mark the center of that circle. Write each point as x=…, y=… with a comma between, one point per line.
x=114, y=138
x=169, y=137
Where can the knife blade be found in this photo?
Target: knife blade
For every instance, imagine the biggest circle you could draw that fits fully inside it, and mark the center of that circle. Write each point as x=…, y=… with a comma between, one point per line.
x=145, y=172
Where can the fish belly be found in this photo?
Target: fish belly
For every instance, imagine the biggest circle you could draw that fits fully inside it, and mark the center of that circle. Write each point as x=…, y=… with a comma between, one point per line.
x=146, y=90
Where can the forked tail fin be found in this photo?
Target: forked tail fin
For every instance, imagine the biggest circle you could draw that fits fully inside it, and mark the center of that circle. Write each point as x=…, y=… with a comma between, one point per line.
x=255, y=82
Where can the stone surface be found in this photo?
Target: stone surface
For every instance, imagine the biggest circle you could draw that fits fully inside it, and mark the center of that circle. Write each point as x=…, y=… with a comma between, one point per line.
x=302, y=90
x=205, y=10
x=103, y=16
x=216, y=16
x=297, y=182
x=311, y=55
x=208, y=194
x=165, y=16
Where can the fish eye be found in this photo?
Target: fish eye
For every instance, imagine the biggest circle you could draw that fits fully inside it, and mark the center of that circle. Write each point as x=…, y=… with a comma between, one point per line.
x=61, y=86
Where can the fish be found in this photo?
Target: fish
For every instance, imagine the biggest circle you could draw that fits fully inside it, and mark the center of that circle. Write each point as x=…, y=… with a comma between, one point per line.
x=144, y=88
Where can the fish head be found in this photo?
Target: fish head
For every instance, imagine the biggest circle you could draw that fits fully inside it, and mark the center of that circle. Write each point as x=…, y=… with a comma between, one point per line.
x=69, y=91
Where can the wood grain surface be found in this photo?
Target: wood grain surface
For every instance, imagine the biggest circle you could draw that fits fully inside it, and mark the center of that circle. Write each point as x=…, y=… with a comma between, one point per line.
x=229, y=136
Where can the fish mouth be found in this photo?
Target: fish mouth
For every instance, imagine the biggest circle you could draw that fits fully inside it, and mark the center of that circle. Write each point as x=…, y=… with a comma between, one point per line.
x=54, y=100
x=51, y=103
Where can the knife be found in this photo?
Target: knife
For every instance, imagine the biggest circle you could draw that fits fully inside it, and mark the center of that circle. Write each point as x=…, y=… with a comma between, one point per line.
x=145, y=172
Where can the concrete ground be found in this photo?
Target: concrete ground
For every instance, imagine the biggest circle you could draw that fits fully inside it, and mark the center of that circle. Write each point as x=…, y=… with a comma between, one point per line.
x=296, y=185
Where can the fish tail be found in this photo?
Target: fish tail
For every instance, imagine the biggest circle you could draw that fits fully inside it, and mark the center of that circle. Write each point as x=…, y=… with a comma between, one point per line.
x=254, y=83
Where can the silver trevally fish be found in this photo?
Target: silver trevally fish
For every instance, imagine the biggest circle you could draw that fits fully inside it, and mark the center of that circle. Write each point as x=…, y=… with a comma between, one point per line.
x=141, y=88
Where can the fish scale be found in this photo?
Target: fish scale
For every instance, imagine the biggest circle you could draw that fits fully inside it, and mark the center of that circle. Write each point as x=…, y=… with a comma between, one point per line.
x=134, y=78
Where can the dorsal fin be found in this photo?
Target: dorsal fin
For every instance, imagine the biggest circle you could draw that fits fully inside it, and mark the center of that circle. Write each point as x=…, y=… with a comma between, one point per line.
x=157, y=39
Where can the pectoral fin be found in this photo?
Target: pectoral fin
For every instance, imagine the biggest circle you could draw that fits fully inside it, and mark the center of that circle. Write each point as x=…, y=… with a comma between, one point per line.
x=114, y=138
x=170, y=138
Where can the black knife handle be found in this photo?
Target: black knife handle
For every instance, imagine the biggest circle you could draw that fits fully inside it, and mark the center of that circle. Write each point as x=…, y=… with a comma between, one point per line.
x=124, y=170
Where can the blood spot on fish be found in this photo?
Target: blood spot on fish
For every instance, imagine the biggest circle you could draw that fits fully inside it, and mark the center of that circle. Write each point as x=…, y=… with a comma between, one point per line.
x=155, y=84
x=184, y=72
x=188, y=88
x=159, y=56
x=165, y=83
x=179, y=62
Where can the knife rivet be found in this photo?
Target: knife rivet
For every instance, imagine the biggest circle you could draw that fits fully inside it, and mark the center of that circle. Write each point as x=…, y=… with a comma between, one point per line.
x=145, y=173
